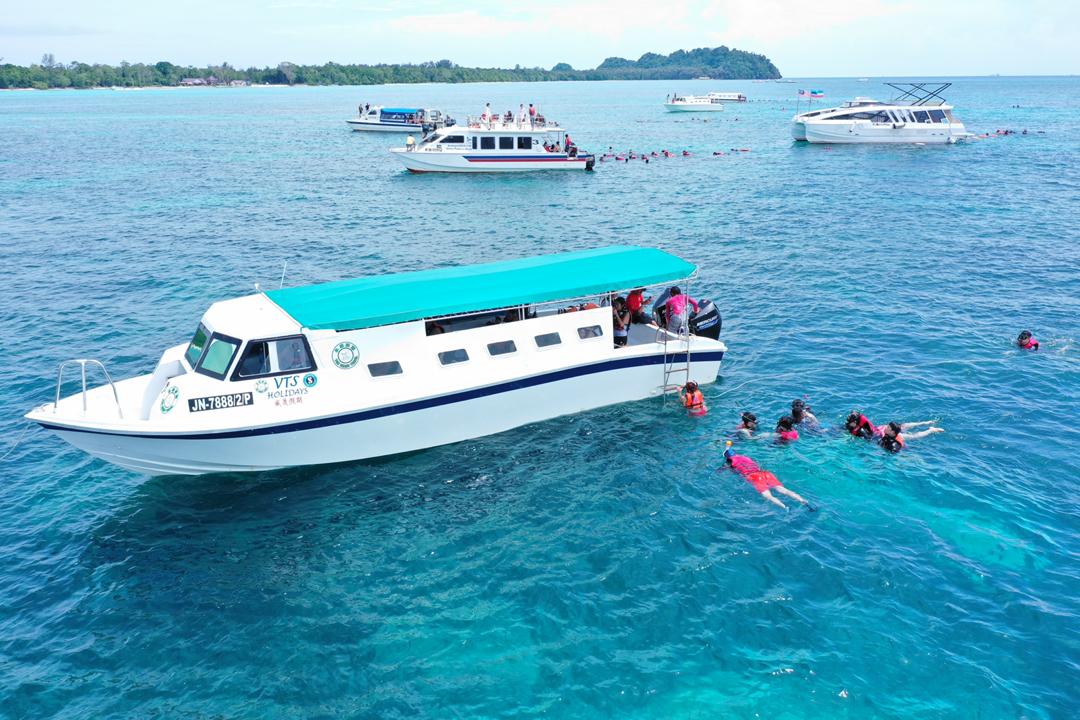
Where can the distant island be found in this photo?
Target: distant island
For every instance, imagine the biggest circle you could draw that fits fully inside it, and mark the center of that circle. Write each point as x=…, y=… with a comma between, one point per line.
x=719, y=63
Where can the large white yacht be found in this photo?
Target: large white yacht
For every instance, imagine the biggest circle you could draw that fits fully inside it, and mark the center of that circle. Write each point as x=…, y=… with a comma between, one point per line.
x=495, y=146
x=917, y=115
x=389, y=364
x=415, y=120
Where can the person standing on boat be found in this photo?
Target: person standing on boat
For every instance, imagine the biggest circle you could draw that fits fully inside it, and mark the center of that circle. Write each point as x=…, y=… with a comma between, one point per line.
x=620, y=318
x=523, y=115
x=532, y=115
x=676, y=309
x=635, y=302
x=486, y=115
x=410, y=143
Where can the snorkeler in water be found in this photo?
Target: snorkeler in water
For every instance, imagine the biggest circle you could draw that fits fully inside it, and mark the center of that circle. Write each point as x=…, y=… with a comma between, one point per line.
x=748, y=426
x=762, y=480
x=803, y=416
x=785, y=430
x=891, y=436
x=1027, y=341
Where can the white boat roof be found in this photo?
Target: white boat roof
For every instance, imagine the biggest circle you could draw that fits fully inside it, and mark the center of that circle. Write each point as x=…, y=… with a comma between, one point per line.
x=500, y=127
x=250, y=316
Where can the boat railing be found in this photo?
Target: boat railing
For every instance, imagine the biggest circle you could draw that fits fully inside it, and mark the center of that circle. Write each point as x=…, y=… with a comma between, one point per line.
x=82, y=363
x=498, y=123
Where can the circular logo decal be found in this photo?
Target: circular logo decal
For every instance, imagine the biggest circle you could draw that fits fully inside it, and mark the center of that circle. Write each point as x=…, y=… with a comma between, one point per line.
x=345, y=355
x=169, y=398
x=310, y=380
x=261, y=386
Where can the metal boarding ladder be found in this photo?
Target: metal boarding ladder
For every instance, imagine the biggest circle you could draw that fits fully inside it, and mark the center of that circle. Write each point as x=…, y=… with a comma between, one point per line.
x=672, y=366
x=83, y=362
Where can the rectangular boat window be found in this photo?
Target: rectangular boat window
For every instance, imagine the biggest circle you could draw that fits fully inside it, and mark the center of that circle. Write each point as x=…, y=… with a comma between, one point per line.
x=197, y=345
x=524, y=143
x=504, y=347
x=506, y=143
x=487, y=143
x=453, y=356
x=454, y=139
x=473, y=142
x=938, y=116
x=218, y=356
x=922, y=116
x=548, y=339
x=592, y=331
x=274, y=357
x=383, y=369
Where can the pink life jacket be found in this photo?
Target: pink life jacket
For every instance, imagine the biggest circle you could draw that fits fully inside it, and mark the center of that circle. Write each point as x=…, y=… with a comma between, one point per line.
x=789, y=435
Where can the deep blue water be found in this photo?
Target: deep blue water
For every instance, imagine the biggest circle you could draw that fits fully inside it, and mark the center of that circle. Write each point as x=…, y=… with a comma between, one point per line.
x=580, y=567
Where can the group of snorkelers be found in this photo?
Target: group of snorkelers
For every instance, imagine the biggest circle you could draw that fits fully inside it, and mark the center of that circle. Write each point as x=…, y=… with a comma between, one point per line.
x=629, y=155
x=892, y=437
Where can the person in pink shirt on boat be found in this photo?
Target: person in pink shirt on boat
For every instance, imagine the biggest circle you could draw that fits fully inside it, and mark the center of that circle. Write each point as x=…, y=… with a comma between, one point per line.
x=675, y=309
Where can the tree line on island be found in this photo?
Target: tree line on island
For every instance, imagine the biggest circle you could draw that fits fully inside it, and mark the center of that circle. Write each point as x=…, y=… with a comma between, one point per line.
x=718, y=63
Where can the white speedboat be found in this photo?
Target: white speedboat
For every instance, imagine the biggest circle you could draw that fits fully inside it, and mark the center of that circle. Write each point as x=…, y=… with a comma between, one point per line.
x=918, y=115
x=382, y=365
x=415, y=120
x=694, y=103
x=495, y=146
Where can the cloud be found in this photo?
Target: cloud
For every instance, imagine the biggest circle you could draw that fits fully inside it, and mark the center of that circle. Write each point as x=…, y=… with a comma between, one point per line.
x=770, y=21
x=46, y=30
x=462, y=24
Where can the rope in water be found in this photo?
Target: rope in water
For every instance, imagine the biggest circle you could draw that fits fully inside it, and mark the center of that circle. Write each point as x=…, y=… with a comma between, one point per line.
x=17, y=441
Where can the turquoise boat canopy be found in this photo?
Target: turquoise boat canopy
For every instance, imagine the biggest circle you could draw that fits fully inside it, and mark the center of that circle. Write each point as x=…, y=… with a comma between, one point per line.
x=388, y=299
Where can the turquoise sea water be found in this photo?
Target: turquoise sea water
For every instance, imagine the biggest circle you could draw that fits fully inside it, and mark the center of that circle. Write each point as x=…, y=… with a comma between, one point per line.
x=591, y=566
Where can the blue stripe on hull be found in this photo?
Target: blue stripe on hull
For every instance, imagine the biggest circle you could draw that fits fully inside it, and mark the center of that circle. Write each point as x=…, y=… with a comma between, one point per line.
x=414, y=405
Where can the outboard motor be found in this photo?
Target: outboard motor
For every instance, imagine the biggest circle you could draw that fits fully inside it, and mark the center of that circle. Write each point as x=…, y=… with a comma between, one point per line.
x=706, y=322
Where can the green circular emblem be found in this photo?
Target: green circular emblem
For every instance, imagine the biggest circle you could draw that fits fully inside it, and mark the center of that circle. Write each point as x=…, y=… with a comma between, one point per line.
x=169, y=397
x=345, y=355
x=310, y=380
x=261, y=386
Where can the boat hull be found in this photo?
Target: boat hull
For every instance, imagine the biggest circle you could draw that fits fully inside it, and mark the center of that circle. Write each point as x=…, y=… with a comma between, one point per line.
x=451, y=162
x=798, y=130
x=367, y=126
x=694, y=107
x=388, y=430
x=866, y=133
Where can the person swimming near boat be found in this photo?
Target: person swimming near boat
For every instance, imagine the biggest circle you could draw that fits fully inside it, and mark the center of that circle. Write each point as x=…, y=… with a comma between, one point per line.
x=762, y=480
x=1026, y=341
x=748, y=426
x=891, y=436
x=693, y=399
x=785, y=430
x=802, y=415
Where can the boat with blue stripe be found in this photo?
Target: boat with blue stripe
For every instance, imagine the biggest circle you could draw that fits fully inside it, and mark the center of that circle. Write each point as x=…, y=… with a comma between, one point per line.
x=495, y=145
x=388, y=364
x=399, y=119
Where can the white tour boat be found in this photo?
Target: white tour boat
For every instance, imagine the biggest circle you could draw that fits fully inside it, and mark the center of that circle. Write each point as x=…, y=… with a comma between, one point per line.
x=695, y=103
x=494, y=146
x=417, y=120
x=389, y=364
x=918, y=115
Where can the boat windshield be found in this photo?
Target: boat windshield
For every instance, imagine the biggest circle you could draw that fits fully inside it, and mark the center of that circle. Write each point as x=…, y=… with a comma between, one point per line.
x=197, y=345
x=218, y=357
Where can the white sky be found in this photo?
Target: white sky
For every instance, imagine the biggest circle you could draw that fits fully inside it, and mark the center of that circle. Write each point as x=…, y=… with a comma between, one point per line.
x=808, y=38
